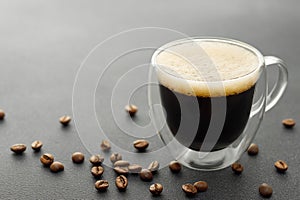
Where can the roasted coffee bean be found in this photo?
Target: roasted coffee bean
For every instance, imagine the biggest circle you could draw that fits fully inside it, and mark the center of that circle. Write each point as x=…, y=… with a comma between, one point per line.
x=56, y=167
x=237, y=168
x=153, y=167
x=121, y=182
x=281, y=166
x=201, y=186
x=47, y=159
x=121, y=163
x=156, y=188
x=265, y=190
x=115, y=157
x=77, y=157
x=96, y=159
x=288, y=123
x=101, y=185
x=2, y=114
x=253, y=149
x=18, y=148
x=121, y=170
x=146, y=175
x=131, y=109
x=37, y=145
x=105, y=145
x=175, y=166
x=141, y=145
x=97, y=171
x=189, y=189
x=65, y=120
x=135, y=168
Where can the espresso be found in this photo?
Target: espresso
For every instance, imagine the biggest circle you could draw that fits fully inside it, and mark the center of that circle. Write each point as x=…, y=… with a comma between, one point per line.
x=237, y=114
x=206, y=89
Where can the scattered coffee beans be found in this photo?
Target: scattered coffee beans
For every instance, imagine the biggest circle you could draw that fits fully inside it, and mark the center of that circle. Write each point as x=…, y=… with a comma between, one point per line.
x=2, y=114
x=101, y=185
x=146, y=175
x=175, y=166
x=156, y=188
x=288, y=123
x=47, y=159
x=77, y=157
x=253, y=149
x=105, y=145
x=141, y=145
x=121, y=163
x=134, y=168
x=121, y=182
x=97, y=171
x=56, y=167
x=281, y=166
x=65, y=120
x=131, y=109
x=96, y=159
x=153, y=167
x=189, y=189
x=18, y=148
x=121, y=170
x=115, y=157
x=265, y=190
x=201, y=186
x=36, y=145
x=237, y=168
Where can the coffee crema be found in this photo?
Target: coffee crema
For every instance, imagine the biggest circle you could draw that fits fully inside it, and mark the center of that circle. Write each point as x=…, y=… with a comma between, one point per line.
x=207, y=68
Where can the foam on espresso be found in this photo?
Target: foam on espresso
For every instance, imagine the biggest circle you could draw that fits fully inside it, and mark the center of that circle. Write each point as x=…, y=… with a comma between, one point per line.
x=207, y=68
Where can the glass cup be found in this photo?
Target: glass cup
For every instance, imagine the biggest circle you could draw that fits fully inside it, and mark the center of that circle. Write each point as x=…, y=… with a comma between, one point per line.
x=213, y=94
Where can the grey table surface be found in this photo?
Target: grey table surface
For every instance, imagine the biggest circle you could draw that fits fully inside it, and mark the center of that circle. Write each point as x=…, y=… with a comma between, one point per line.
x=42, y=45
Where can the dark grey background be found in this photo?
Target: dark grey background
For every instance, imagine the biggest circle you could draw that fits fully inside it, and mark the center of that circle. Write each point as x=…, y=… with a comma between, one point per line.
x=41, y=47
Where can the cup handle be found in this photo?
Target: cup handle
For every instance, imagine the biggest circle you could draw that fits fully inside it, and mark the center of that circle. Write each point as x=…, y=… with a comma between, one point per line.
x=279, y=87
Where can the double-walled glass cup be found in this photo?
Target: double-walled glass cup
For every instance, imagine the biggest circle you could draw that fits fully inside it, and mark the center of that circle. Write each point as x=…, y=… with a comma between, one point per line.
x=213, y=95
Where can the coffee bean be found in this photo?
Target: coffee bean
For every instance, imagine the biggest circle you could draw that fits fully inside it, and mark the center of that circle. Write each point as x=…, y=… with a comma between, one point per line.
x=18, y=148
x=121, y=182
x=237, y=168
x=253, y=149
x=201, y=186
x=141, y=145
x=153, y=167
x=101, y=185
x=189, y=189
x=131, y=109
x=121, y=170
x=47, y=159
x=175, y=166
x=288, y=123
x=156, y=188
x=77, y=157
x=121, y=163
x=115, y=157
x=105, y=145
x=96, y=159
x=134, y=168
x=281, y=166
x=265, y=190
x=36, y=145
x=2, y=114
x=97, y=171
x=146, y=175
x=56, y=167
x=65, y=120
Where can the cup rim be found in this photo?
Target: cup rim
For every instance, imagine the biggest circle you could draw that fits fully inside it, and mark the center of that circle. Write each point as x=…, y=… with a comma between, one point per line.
x=247, y=46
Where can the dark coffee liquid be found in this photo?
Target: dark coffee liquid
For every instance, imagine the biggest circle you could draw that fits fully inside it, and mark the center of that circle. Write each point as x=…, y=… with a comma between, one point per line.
x=236, y=115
